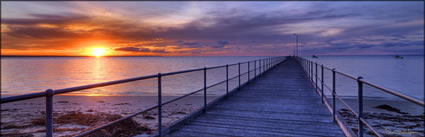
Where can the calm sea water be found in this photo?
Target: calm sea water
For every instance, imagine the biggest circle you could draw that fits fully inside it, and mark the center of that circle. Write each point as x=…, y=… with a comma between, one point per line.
x=20, y=75
x=402, y=75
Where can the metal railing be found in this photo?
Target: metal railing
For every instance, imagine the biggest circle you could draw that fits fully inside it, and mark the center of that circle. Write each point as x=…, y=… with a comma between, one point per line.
x=311, y=68
x=260, y=66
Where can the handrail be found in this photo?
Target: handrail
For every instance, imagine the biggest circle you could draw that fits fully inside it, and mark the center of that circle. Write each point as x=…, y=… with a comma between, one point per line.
x=413, y=100
x=308, y=70
x=395, y=93
x=66, y=90
x=263, y=65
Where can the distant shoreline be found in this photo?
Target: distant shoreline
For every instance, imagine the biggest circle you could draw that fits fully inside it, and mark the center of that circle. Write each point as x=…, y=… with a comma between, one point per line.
x=73, y=56
x=25, y=56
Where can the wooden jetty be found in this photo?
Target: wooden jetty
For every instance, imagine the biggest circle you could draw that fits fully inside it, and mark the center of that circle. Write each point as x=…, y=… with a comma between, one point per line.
x=282, y=102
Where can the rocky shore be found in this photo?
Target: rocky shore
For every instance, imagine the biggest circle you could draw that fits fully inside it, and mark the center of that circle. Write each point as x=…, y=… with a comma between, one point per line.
x=393, y=123
x=74, y=115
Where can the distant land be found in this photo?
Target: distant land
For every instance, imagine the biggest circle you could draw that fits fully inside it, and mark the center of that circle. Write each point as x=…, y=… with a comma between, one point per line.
x=189, y=56
x=67, y=56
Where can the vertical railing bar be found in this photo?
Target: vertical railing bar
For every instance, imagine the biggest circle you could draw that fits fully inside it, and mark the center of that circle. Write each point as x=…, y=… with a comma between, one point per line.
x=311, y=69
x=268, y=64
x=255, y=69
x=307, y=68
x=261, y=67
x=248, y=71
x=239, y=75
x=316, y=76
x=205, y=89
x=159, y=105
x=227, y=80
x=49, y=113
x=360, y=105
x=321, y=87
x=333, y=95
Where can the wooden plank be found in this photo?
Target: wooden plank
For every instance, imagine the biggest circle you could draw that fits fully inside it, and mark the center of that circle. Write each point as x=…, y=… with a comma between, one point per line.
x=276, y=129
x=281, y=102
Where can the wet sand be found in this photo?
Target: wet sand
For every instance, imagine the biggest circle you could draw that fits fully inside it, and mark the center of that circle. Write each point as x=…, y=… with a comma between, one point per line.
x=74, y=114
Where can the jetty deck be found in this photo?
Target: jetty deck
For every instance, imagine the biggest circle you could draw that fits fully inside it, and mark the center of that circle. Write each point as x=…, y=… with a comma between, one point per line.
x=282, y=102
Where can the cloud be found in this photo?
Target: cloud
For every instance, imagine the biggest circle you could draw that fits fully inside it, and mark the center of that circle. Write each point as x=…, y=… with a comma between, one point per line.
x=330, y=32
x=192, y=44
x=220, y=44
x=160, y=51
x=328, y=28
x=130, y=49
x=135, y=49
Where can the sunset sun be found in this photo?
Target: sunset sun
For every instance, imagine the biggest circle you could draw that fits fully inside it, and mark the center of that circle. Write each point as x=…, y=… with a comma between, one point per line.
x=98, y=52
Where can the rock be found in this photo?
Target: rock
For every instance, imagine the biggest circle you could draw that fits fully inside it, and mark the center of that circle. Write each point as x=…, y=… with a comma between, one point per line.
x=125, y=128
x=148, y=117
x=63, y=102
x=18, y=135
x=389, y=108
x=122, y=104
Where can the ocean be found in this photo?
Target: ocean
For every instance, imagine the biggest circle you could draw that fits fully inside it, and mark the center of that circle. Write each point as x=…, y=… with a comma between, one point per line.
x=401, y=75
x=21, y=75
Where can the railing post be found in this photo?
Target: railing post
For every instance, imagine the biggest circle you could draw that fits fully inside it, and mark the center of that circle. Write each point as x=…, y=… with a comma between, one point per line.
x=333, y=95
x=360, y=105
x=308, y=68
x=227, y=80
x=159, y=105
x=205, y=89
x=322, y=89
x=268, y=64
x=255, y=68
x=311, y=69
x=310, y=72
x=248, y=72
x=316, y=75
x=261, y=67
x=49, y=113
x=239, y=75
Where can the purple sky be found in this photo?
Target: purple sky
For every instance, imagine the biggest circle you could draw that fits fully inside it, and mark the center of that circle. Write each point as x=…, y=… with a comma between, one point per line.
x=213, y=28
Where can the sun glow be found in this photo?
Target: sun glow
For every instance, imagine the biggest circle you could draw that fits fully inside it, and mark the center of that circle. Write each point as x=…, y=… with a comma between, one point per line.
x=98, y=52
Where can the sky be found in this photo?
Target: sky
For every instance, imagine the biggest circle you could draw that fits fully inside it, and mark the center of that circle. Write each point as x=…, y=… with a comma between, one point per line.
x=190, y=28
